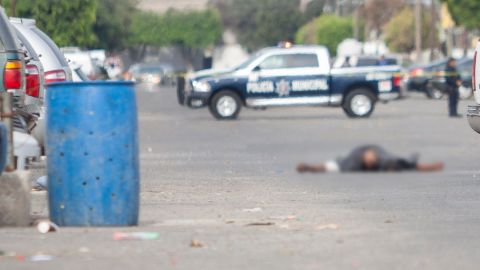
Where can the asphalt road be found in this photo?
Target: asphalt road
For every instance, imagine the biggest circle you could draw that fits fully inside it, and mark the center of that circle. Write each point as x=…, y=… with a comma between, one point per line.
x=207, y=180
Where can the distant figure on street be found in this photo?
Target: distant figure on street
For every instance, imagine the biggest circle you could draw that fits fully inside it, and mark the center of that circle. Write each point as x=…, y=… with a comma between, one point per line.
x=453, y=82
x=346, y=64
x=382, y=61
x=371, y=158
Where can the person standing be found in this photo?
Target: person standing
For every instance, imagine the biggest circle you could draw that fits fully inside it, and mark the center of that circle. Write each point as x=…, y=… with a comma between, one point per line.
x=453, y=82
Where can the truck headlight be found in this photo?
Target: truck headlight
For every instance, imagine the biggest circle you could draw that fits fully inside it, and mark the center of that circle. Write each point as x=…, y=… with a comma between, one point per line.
x=201, y=86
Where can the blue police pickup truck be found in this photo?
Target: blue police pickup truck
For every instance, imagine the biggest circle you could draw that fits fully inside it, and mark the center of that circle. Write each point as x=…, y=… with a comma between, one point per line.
x=295, y=76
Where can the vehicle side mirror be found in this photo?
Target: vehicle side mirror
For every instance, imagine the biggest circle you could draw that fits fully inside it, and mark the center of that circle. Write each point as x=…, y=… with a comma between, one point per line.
x=257, y=69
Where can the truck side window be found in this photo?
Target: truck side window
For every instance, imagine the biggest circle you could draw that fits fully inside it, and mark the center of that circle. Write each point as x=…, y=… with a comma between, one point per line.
x=290, y=61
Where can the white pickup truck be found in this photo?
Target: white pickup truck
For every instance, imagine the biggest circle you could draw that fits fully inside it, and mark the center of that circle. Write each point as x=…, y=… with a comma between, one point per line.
x=473, y=113
x=294, y=76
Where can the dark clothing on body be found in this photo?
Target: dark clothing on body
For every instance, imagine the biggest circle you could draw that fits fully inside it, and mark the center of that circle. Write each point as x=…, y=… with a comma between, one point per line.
x=451, y=77
x=386, y=161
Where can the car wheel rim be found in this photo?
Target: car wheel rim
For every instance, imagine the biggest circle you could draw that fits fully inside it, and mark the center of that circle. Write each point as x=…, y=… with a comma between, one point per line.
x=361, y=105
x=226, y=106
x=437, y=94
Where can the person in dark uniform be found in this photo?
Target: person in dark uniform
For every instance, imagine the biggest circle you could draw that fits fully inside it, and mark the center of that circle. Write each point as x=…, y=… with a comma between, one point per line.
x=371, y=158
x=382, y=61
x=453, y=82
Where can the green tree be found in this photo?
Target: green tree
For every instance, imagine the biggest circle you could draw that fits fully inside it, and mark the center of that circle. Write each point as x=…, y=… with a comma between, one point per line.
x=15, y=7
x=68, y=22
x=113, y=23
x=313, y=9
x=260, y=23
x=328, y=30
x=400, y=31
x=465, y=12
x=191, y=31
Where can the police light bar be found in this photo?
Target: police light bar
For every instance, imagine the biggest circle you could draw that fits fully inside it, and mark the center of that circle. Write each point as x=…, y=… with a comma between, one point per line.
x=285, y=44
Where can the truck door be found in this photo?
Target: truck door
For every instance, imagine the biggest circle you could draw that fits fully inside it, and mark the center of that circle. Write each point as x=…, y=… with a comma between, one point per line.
x=287, y=76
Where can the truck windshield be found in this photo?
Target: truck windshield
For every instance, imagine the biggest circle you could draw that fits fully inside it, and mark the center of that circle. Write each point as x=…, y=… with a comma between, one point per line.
x=250, y=60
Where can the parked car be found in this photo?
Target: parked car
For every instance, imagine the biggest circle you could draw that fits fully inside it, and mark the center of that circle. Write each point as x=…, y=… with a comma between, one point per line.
x=12, y=58
x=77, y=73
x=464, y=68
x=35, y=76
x=146, y=73
x=419, y=78
x=82, y=59
x=54, y=63
x=295, y=76
x=13, y=67
x=169, y=74
x=56, y=68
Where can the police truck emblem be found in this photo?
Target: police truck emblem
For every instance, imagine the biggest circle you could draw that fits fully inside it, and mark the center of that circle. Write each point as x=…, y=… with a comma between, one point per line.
x=283, y=88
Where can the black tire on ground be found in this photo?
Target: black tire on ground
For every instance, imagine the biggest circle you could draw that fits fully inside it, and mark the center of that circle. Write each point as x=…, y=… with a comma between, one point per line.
x=225, y=105
x=359, y=103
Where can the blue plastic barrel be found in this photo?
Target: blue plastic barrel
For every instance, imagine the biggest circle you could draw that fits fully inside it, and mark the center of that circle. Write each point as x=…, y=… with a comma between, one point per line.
x=92, y=149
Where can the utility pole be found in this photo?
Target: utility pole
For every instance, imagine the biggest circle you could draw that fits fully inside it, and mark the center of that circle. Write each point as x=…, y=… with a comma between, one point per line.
x=13, y=8
x=433, y=28
x=356, y=13
x=418, y=30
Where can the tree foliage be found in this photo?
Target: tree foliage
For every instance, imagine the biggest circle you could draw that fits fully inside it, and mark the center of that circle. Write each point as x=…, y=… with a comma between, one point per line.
x=400, y=31
x=328, y=30
x=113, y=23
x=67, y=22
x=192, y=29
x=313, y=9
x=260, y=23
x=377, y=13
x=465, y=12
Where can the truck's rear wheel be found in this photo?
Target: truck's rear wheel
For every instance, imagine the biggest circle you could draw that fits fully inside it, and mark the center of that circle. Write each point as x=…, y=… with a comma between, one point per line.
x=225, y=105
x=359, y=103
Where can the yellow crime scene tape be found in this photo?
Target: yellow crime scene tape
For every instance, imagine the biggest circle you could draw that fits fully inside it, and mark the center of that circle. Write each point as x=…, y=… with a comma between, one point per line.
x=356, y=74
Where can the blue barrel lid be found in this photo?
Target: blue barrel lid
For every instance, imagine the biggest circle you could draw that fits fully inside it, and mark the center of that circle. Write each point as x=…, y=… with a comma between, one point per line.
x=91, y=83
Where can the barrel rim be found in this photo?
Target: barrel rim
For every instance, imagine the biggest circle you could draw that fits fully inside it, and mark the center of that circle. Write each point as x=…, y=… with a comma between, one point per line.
x=90, y=83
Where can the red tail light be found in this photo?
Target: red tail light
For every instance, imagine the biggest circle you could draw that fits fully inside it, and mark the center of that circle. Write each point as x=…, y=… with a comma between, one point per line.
x=55, y=76
x=474, y=73
x=397, y=80
x=33, y=81
x=12, y=74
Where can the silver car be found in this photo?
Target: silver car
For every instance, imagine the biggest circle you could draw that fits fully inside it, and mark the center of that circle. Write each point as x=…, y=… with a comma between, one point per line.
x=35, y=76
x=56, y=68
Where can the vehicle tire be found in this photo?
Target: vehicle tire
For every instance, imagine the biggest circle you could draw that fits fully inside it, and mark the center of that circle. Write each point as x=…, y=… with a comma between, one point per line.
x=465, y=92
x=225, y=105
x=434, y=93
x=359, y=103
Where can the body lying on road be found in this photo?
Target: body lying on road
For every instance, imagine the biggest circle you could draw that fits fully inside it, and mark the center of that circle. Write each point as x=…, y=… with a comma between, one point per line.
x=371, y=158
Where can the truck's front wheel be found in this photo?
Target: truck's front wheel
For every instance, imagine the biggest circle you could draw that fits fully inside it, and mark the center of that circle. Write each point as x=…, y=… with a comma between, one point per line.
x=225, y=105
x=359, y=103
